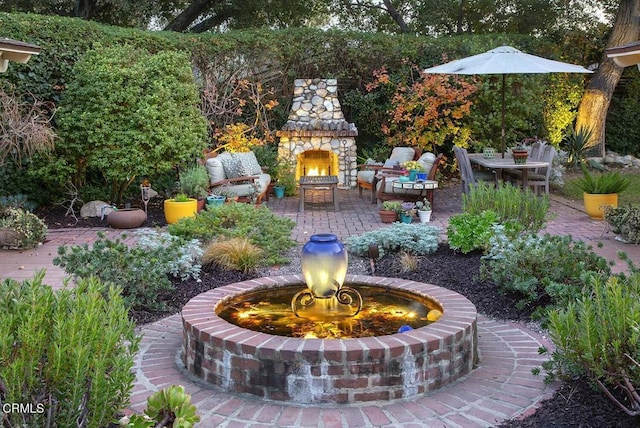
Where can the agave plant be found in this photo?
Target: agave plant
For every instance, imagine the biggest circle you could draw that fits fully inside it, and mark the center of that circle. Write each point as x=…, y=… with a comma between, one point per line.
x=576, y=142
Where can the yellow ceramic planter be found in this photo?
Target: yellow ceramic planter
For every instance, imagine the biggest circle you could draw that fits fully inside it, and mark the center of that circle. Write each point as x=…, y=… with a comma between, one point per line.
x=174, y=211
x=594, y=204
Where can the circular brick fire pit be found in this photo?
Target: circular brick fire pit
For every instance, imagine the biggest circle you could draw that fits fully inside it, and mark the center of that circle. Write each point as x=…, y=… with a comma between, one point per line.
x=329, y=370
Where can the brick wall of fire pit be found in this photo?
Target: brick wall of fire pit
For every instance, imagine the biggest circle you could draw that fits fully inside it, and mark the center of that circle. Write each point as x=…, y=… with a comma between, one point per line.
x=316, y=122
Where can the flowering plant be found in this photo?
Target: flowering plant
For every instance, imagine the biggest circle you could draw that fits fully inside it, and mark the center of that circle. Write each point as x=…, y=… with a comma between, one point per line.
x=29, y=230
x=413, y=165
x=408, y=208
x=423, y=205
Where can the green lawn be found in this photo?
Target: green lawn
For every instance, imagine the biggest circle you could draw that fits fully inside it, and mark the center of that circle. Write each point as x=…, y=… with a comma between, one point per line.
x=629, y=196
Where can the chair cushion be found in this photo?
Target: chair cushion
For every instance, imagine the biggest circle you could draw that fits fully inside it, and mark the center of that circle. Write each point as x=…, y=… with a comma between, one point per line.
x=402, y=154
x=246, y=188
x=366, y=176
x=232, y=167
x=427, y=160
x=248, y=163
x=390, y=163
x=216, y=168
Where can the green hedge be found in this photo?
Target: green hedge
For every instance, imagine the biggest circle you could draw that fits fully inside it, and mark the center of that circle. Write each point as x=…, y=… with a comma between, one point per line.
x=276, y=58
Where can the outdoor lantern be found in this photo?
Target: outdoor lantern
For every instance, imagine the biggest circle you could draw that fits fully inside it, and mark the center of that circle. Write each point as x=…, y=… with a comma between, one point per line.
x=324, y=268
x=145, y=190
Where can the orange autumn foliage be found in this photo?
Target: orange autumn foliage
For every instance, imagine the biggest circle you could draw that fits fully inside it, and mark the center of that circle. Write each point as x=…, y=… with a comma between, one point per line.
x=428, y=111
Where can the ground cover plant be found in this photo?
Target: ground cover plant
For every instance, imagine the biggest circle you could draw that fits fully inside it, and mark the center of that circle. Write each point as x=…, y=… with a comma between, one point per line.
x=142, y=270
x=544, y=271
x=413, y=238
x=258, y=224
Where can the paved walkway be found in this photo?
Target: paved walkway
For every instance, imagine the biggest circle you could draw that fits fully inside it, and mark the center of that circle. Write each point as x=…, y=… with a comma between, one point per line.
x=501, y=388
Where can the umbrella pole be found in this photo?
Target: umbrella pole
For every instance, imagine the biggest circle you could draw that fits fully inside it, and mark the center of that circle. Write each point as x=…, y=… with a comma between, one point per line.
x=504, y=76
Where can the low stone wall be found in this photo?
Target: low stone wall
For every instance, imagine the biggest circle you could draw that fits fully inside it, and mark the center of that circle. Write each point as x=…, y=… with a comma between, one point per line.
x=329, y=370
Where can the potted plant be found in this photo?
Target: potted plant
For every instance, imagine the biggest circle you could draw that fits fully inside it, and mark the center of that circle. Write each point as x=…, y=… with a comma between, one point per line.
x=408, y=209
x=278, y=190
x=178, y=207
x=390, y=210
x=414, y=167
x=520, y=155
x=424, y=210
x=600, y=191
x=194, y=182
x=20, y=229
x=285, y=177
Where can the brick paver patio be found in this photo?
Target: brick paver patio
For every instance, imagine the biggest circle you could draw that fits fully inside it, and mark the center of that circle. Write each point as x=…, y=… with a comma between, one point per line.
x=501, y=388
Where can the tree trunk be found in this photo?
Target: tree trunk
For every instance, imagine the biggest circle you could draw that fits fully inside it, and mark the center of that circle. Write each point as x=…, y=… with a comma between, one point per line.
x=397, y=18
x=85, y=9
x=592, y=112
x=189, y=15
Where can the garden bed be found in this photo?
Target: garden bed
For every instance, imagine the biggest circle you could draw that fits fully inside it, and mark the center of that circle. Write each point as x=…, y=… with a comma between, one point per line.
x=574, y=404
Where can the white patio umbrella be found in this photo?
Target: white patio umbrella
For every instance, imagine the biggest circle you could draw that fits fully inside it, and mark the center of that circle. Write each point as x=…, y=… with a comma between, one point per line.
x=505, y=60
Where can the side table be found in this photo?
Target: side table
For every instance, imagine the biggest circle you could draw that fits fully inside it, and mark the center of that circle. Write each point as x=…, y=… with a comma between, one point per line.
x=319, y=182
x=425, y=186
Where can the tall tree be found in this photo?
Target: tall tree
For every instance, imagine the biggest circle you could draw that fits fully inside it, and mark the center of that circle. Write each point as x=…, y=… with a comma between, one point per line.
x=592, y=112
x=124, y=13
x=205, y=15
x=181, y=15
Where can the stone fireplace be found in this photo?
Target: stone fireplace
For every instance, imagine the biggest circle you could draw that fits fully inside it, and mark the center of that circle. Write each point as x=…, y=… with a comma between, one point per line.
x=316, y=138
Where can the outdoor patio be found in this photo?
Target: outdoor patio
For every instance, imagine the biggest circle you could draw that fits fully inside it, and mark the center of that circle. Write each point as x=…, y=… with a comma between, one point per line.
x=356, y=216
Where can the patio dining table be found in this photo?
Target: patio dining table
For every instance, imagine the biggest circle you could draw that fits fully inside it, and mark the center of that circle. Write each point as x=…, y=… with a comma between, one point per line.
x=498, y=164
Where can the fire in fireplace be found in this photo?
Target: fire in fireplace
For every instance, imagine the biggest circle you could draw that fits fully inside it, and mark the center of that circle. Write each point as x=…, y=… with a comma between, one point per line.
x=317, y=162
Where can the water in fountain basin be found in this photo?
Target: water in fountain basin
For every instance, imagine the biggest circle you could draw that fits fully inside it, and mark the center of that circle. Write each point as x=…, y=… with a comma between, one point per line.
x=384, y=311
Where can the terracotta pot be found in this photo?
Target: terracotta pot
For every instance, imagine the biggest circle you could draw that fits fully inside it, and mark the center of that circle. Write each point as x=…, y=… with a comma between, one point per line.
x=594, y=204
x=127, y=218
x=201, y=204
x=388, y=216
x=520, y=156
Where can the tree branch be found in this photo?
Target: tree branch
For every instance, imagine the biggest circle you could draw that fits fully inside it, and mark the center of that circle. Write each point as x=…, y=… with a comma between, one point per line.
x=190, y=14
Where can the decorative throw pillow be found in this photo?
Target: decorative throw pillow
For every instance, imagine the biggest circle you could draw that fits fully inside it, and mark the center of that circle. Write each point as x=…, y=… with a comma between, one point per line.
x=232, y=167
x=390, y=163
x=249, y=163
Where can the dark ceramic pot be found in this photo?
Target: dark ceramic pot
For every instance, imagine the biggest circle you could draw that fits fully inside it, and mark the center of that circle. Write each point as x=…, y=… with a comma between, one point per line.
x=127, y=218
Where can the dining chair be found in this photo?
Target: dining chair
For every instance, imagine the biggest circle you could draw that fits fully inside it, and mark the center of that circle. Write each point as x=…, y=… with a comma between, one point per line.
x=539, y=177
x=468, y=176
x=536, y=151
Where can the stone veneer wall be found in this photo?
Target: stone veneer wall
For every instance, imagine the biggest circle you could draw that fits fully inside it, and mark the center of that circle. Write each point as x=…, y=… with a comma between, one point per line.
x=329, y=370
x=316, y=122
